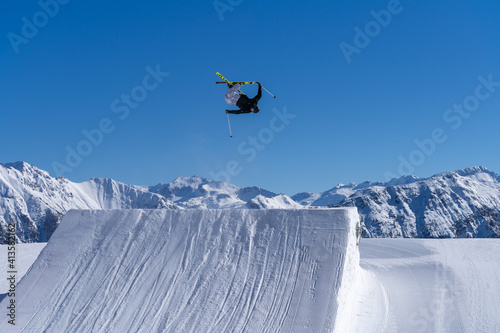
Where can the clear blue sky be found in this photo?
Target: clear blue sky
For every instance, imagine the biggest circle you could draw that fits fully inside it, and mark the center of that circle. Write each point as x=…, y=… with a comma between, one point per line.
x=354, y=121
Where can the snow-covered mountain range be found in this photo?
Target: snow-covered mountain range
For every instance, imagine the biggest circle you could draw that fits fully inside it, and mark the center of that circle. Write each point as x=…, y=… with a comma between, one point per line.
x=463, y=203
x=36, y=202
x=202, y=193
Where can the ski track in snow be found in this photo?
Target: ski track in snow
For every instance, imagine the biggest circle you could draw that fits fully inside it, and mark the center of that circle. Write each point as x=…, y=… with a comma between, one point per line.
x=191, y=271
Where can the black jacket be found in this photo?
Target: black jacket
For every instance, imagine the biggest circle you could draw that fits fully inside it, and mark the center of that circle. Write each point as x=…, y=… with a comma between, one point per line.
x=245, y=103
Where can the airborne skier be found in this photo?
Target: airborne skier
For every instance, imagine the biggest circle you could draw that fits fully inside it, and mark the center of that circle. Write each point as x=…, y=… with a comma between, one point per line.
x=234, y=96
x=246, y=104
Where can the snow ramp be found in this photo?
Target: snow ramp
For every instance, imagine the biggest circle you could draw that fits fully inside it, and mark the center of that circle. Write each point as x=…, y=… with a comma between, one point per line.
x=192, y=271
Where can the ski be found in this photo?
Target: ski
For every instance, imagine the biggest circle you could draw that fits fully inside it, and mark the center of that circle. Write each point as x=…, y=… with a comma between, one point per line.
x=234, y=82
x=222, y=77
x=240, y=82
x=228, y=82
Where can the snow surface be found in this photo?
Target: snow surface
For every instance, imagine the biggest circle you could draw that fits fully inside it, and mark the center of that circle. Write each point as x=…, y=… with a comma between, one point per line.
x=410, y=285
x=193, y=271
x=26, y=254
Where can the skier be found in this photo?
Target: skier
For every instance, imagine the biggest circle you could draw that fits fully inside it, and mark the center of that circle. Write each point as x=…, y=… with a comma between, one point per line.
x=246, y=104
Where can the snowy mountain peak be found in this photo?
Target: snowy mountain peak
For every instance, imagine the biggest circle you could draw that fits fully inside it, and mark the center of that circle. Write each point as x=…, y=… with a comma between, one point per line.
x=25, y=169
x=199, y=192
x=475, y=170
x=479, y=173
x=19, y=165
x=405, y=180
x=332, y=196
x=190, y=185
x=280, y=201
x=248, y=193
x=109, y=182
x=192, y=182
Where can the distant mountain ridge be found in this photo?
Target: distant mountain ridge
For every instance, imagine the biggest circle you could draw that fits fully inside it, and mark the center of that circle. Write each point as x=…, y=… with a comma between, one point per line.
x=36, y=202
x=203, y=193
x=462, y=203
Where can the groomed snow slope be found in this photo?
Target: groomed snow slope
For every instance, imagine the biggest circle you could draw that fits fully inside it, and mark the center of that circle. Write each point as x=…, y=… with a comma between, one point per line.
x=428, y=285
x=192, y=271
